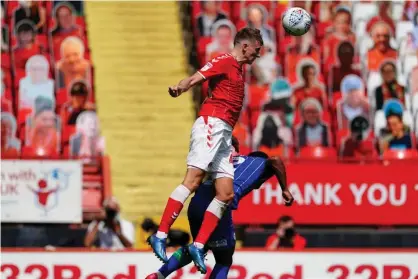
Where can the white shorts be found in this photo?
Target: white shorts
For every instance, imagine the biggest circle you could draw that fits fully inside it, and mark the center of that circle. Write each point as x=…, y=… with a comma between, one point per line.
x=211, y=147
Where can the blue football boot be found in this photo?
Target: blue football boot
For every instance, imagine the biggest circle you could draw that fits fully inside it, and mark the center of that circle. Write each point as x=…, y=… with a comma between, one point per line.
x=158, y=246
x=198, y=257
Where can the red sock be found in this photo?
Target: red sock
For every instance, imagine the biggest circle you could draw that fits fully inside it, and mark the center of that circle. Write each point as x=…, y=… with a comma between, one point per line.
x=173, y=209
x=210, y=221
x=212, y=216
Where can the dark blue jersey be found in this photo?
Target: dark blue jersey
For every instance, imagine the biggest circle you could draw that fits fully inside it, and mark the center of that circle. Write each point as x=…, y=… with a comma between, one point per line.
x=249, y=174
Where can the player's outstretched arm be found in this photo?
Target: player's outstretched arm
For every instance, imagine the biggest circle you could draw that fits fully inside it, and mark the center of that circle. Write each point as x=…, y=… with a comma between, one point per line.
x=185, y=84
x=279, y=170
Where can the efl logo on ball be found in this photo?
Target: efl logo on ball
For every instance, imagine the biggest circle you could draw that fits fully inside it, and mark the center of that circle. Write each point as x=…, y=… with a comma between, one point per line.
x=296, y=21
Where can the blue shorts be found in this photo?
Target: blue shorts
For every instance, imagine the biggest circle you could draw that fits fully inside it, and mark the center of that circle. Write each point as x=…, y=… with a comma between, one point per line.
x=224, y=235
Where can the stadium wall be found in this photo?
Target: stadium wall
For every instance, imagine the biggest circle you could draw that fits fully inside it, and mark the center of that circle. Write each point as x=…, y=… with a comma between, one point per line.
x=254, y=264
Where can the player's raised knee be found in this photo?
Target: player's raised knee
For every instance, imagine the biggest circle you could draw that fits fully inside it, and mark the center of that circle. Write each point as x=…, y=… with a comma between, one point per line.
x=224, y=194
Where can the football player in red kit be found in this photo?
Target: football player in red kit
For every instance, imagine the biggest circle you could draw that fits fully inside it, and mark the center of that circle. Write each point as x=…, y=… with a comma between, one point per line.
x=210, y=143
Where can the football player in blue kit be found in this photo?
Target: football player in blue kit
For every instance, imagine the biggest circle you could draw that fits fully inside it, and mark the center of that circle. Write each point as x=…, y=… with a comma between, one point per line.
x=250, y=173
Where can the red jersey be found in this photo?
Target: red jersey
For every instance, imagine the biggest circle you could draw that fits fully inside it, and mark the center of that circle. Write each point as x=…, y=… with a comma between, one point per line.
x=226, y=89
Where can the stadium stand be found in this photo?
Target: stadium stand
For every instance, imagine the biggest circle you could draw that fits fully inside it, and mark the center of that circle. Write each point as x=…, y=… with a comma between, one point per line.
x=48, y=96
x=340, y=23
x=358, y=109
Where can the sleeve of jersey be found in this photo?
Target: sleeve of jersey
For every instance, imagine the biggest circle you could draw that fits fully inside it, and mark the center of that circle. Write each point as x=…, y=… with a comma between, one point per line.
x=238, y=195
x=213, y=68
x=235, y=201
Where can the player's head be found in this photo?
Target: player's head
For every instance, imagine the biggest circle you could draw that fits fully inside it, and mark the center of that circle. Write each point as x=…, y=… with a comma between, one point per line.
x=248, y=43
x=235, y=145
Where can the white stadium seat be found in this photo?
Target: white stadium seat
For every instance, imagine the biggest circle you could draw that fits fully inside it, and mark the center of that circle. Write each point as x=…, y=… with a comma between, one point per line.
x=415, y=104
x=374, y=80
x=364, y=45
x=407, y=119
x=416, y=125
x=364, y=11
x=409, y=62
x=360, y=28
x=403, y=28
x=397, y=10
x=379, y=122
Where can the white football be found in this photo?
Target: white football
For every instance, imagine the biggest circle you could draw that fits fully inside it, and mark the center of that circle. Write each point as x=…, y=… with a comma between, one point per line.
x=296, y=21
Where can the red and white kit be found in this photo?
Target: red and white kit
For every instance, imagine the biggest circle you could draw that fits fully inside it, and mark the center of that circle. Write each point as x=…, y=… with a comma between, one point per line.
x=210, y=142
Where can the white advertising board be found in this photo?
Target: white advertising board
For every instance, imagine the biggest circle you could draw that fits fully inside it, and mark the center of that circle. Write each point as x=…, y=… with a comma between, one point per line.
x=247, y=265
x=41, y=191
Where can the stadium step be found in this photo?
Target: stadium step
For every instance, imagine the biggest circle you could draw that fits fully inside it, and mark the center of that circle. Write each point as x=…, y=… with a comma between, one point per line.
x=138, y=51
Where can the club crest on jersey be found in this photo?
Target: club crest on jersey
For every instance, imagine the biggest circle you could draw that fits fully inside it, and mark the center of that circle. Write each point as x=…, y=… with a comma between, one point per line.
x=207, y=67
x=238, y=160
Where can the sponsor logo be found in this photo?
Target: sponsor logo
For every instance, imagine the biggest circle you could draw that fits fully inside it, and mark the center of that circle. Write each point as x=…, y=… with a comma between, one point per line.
x=207, y=67
x=238, y=160
x=218, y=243
x=49, y=188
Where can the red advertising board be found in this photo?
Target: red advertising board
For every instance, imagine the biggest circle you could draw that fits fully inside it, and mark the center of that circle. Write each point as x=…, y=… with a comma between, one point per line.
x=331, y=193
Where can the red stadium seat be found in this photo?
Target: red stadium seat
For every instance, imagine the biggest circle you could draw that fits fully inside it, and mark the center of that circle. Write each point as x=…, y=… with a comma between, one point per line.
x=67, y=132
x=335, y=98
x=276, y=151
x=394, y=154
x=258, y=94
x=10, y=8
x=92, y=178
x=61, y=96
x=5, y=60
x=242, y=134
x=253, y=117
x=201, y=48
x=32, y=153
x=341, y=134
x=317, y=152
x=92, y=199
x=6, y=105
